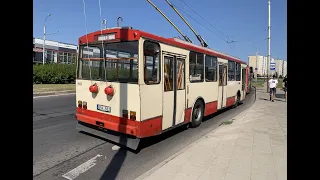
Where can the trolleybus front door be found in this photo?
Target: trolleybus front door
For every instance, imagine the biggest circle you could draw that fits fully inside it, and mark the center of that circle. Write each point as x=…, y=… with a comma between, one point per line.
x=174, y=96
x=222, y=97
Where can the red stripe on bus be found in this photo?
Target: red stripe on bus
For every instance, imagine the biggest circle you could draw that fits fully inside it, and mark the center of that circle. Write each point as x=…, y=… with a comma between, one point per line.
x=211, y=108
x=132, y=34
x=171, y=41
x=140, y=129
x=187, y=115
x=150, y=127
x=230, y=101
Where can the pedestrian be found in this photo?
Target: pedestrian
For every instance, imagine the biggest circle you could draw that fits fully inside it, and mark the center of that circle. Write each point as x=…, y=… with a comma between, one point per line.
x=284, y=86
x=273, y=83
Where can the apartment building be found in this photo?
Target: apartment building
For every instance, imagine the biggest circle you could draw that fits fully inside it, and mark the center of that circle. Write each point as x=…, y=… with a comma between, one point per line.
x=260, y=65
x=281, y=67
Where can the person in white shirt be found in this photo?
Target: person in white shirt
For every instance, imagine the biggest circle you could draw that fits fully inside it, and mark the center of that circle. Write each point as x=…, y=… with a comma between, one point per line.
x=273, y=83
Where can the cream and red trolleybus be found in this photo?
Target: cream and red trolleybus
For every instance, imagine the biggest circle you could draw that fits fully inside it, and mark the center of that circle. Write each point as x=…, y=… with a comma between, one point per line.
x=132, y=84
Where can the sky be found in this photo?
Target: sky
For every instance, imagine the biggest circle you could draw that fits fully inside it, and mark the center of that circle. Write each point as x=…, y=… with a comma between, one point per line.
x=236, y=27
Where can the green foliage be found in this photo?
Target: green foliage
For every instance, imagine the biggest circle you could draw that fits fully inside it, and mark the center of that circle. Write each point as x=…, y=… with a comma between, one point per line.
x=54, y=73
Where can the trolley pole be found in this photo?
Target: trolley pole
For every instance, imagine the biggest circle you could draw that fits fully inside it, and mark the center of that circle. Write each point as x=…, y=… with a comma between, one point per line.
x=268, y=61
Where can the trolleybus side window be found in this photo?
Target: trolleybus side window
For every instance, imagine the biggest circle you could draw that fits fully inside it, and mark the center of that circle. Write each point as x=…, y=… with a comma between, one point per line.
x=180, y=74
x=151, y=58
x=211, y=68
x=238, y=71
x=222, y=75
x=196, y=67
x=168, y=73
x=231, y=70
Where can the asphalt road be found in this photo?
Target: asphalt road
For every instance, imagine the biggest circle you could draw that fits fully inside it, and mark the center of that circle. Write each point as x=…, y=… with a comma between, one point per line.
x=58, y=147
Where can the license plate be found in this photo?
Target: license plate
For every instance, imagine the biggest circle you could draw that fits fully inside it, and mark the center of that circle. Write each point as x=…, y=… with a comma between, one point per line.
x=103, y=108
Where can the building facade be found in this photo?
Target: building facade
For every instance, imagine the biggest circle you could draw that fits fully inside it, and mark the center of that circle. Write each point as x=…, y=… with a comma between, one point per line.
x=260, y=65
x=281, y=67
x=285, y=69
x=55, y=52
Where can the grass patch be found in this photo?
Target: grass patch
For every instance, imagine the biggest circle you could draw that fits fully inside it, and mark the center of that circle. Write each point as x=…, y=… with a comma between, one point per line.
x=259, y=83
x=226, y=122
x=38, y=88
x=280, y=83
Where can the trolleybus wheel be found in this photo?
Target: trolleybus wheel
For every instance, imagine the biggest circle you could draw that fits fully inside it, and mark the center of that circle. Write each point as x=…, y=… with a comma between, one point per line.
x=237, y=101
x=197, y=114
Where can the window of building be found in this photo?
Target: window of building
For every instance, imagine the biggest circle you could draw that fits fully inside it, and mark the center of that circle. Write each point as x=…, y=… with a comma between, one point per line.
x=231, y=71
x=211, y=68
x=238, y=71
x=67, y=58
x=49, y=56
x=196, y=67
x=151, y=57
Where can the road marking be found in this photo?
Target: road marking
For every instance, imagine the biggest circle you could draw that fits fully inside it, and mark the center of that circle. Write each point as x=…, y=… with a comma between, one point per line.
x=54, y=95
x=81, y=168
x=115, y=147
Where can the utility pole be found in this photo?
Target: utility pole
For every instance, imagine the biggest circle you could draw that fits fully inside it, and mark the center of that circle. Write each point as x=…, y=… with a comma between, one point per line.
x=257, y=52
x=268, y=61
x=44, y=39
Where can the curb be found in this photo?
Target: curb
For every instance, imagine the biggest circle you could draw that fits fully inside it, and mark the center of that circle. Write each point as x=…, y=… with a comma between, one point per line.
x=53, y=93
x=152, y=170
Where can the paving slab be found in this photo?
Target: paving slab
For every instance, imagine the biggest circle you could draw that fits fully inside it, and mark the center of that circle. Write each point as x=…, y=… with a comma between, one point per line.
x=253, y=147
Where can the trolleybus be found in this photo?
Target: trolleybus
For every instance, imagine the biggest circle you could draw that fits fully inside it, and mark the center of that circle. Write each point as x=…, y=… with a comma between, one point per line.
x=133, y=84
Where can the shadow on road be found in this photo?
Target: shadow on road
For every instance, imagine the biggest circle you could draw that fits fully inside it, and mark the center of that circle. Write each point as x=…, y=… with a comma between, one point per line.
x=115, y=164
x=269, y=99
x=281, y=96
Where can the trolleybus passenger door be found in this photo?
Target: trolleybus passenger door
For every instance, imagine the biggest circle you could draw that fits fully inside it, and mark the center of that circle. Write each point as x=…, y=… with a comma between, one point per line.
x=244, y=82
x=222, y=96
x=174, y=96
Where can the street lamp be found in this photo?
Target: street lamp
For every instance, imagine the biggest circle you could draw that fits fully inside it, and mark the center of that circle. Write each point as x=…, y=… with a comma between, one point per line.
x=44, y=39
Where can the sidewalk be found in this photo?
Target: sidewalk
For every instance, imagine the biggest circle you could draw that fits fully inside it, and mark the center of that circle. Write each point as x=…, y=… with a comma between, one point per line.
x=253, y=147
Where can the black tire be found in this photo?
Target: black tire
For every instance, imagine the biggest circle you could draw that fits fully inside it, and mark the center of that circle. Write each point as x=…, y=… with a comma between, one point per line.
x=237, y=102
x=197, y=114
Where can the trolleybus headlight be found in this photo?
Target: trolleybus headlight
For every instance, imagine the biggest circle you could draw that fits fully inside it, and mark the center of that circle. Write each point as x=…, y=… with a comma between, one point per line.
x=125, y=113
x=79, y=104
x=133, y=115
x=84, y=105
